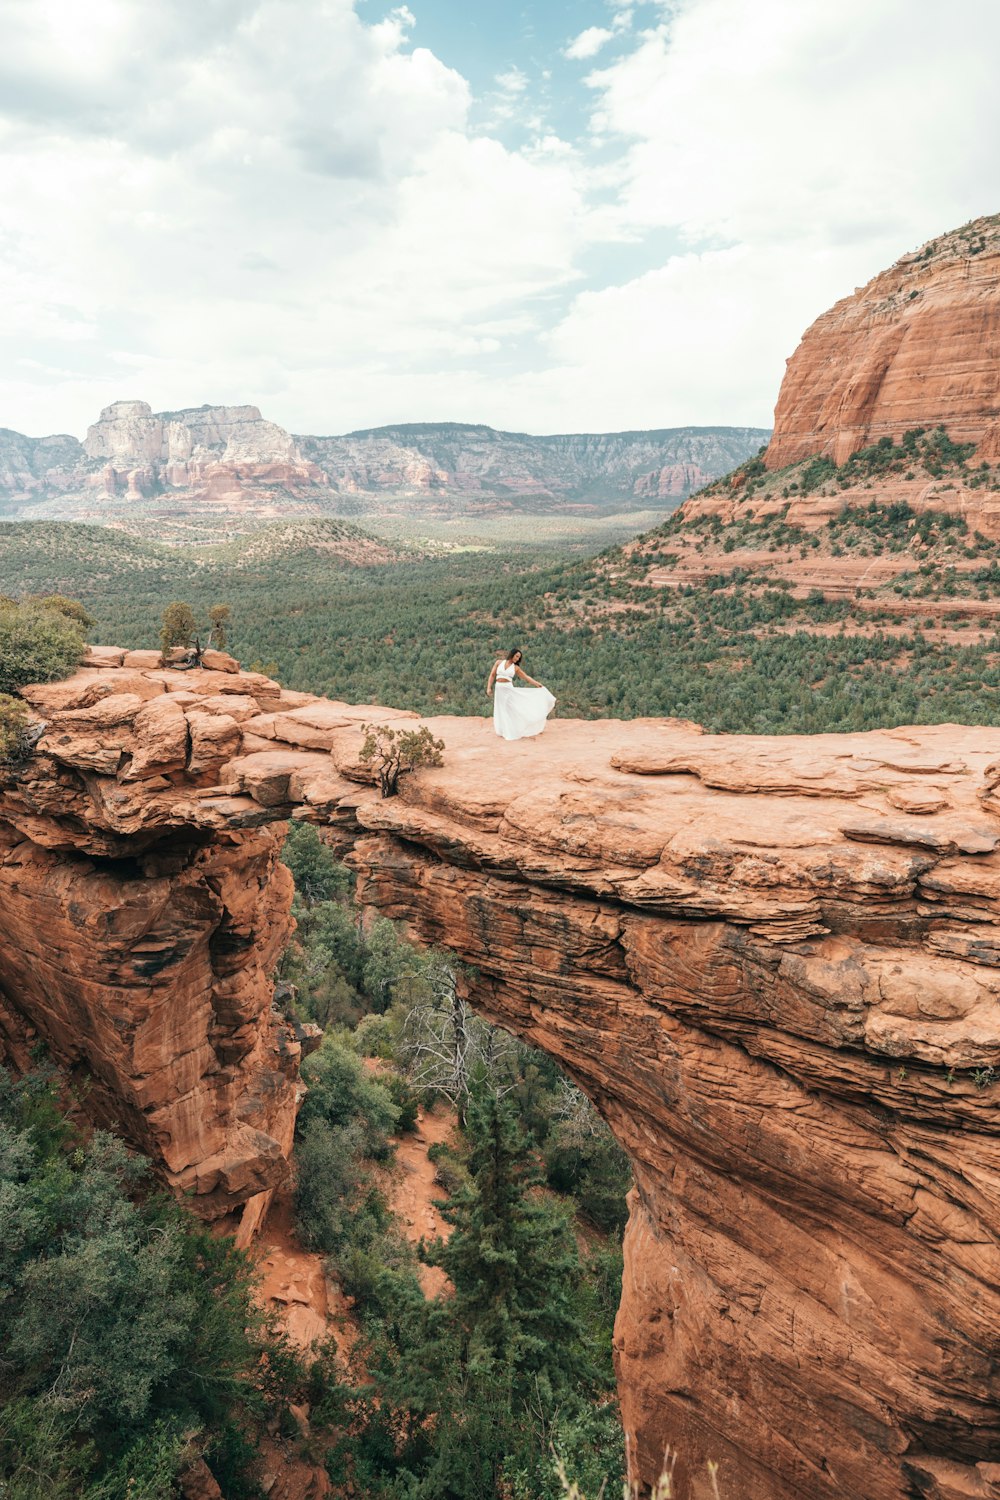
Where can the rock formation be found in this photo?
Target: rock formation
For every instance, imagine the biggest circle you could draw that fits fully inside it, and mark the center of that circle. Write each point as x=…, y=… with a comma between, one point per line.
x=142, y=919
x=128, y=431
x=914, y=355
x=919, y=346
x=232, y=459
x=36, y=466
x=208, y=452
x=490, y=468
x=772, y=963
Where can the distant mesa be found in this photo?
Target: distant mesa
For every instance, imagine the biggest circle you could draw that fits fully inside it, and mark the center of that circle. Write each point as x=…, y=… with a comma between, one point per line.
x=233, y=462
x=130, y=430
x=919, y=346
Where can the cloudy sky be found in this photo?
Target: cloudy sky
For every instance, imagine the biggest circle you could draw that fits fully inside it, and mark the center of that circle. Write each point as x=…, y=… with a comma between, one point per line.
x=548, y=215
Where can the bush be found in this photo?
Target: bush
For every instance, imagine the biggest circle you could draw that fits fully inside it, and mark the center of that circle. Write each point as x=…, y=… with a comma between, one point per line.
x=406, y=1101
x=393, y=752
x=587, y=1162
x=375, y=1036
x=71, y=609
x=343, y=1093
x=449, y=1169
x=14, y=741
x=318, y=874
x=345, y=1121
x=37, y=644
x=127, y=1328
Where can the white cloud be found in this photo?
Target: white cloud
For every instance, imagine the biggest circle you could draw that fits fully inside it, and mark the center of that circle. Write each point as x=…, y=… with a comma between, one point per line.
x=273, y=201
x=696, y=340
x=810, y=146
x=788, y=118
x=284, y=209
x=588, y=43
x=591, y=41
x=513, y=81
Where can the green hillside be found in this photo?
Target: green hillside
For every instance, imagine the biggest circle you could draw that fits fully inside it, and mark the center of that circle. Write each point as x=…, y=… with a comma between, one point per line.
x=734, y=653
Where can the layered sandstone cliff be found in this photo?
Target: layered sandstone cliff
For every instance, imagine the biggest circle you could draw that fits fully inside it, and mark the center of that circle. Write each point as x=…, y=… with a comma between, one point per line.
x=129, y=432
x=919, y=346
x=229, y=459
x=439, y=460
x=772, y=963
x=208, y=452
x=142, y=920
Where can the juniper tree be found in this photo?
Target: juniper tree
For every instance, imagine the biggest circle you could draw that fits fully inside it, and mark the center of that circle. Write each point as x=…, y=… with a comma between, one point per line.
x=221, y=618
x=177, y=626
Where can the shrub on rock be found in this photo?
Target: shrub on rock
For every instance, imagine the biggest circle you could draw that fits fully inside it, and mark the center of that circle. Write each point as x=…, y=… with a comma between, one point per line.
x=393, y=752
x=14, y=741
x=37, y=644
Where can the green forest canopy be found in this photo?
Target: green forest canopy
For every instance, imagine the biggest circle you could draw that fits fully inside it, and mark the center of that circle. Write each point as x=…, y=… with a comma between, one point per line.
x=734, y=654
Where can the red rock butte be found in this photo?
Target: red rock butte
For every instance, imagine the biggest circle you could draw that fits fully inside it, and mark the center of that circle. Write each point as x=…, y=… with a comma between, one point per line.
x=772, y=964
x=919, y=346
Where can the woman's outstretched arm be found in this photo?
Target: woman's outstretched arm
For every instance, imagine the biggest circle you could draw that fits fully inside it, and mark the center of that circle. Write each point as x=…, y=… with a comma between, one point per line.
x=526, y=678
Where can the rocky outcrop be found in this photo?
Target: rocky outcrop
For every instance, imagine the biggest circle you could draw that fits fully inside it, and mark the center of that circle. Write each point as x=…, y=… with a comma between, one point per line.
x=31, y=466
x=919, y=346
x=767, y=962
x=774, y=964
x=231, y=457
x=205, y=452
x=129, y=434
x=142, y=920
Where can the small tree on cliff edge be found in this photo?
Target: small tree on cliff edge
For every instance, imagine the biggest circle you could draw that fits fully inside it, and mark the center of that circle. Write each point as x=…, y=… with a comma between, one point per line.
x=393, y=752
x=221, y=618
x=177, y=628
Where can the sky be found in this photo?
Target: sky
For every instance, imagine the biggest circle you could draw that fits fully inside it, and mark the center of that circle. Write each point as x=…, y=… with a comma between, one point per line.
x=542, y=215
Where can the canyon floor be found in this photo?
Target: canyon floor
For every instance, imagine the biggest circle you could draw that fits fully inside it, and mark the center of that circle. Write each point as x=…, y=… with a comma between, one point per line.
x=294, y=1282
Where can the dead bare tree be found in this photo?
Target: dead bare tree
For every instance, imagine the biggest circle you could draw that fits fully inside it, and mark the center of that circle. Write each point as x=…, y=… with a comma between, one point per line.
x=447, y=1048
x=576, y=1114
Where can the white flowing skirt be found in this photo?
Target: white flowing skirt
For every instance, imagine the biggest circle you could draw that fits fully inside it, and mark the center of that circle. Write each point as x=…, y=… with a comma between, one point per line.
x=520, y=712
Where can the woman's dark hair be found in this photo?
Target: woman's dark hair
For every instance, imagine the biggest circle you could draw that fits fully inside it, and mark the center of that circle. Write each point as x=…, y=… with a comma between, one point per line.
x=514, y=651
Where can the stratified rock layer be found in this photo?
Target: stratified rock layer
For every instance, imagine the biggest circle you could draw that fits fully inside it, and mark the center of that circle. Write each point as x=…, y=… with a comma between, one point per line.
x=141, y=925
x=772, y=963
x=919, y=346
x=228, y=461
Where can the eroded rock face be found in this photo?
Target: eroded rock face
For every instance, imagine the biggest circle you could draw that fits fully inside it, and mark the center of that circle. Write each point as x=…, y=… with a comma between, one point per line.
x=141, y=926
x=198, y=458
x=773, y=963
x=778, y=986
x=130, y=433
x=919, y=346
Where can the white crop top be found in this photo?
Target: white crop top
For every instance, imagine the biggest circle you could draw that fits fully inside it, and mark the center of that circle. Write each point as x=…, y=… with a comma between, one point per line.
x=505, y=672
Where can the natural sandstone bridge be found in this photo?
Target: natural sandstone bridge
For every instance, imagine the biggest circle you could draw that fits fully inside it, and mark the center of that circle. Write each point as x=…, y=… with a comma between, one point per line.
x=772, y=963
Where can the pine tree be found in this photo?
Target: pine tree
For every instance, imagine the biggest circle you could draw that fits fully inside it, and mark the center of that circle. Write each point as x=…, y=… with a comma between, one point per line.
x=513, y=1262
x=469, y=1381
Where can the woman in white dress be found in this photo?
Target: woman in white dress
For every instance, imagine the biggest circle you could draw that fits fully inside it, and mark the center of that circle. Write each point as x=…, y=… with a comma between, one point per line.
x=517, y=712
